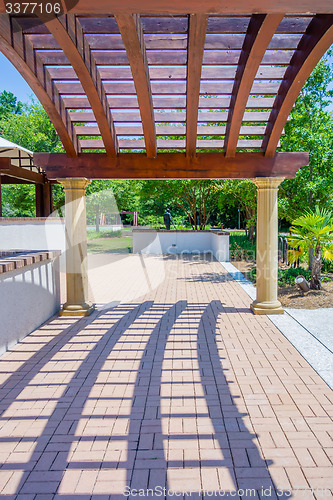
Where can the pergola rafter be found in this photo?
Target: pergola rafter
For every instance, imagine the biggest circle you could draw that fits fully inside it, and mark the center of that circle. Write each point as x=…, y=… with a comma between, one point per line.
x=21, y=54
x=315, y=42
x=196, y=44
x=180, y=81
x=259, y=34
x=132, y=34
x=68, y=34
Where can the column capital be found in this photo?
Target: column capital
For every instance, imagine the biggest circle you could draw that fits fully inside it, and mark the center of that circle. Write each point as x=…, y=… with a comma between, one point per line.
x=268, y=182
x=74, y=182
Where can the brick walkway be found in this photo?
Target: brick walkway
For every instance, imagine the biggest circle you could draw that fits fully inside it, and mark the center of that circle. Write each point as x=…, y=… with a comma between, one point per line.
x=181, y=388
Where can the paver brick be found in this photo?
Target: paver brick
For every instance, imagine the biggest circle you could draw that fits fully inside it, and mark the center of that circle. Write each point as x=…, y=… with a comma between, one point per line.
x=179, y=386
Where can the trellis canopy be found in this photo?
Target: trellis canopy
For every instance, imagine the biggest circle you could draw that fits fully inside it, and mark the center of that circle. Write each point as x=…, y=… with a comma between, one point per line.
x=153, y=89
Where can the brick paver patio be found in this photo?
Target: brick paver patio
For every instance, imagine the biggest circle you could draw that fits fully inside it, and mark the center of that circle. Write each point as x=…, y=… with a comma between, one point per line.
x=181, y=388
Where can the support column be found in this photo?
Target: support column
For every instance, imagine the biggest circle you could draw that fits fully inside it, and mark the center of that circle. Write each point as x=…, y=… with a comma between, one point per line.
x=267, y=246
x=76, y=248
x=43, y=199
x=0, y=198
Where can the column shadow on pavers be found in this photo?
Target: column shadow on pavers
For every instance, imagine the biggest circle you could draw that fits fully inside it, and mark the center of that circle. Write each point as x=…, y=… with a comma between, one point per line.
x=166, y=420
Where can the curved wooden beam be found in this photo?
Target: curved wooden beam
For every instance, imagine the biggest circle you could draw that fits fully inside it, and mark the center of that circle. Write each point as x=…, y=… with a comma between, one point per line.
x=195, y=50
x=259, y=34
x=10, y=43
x=132, y=35
x=75, y=53
x=315, y=42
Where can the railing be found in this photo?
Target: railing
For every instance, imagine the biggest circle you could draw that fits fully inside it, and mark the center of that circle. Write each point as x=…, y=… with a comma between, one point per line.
x=283, y=249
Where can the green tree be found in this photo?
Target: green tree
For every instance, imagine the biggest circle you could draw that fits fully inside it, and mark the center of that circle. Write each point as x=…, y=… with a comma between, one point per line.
x=9, y=105
x=240, y=194
x=313, y=230
x=30, y=127
x=194, y=198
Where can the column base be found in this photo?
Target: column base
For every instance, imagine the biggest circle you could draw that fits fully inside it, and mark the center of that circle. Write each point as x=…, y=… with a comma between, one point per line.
x=84, y=309
x=266, y=307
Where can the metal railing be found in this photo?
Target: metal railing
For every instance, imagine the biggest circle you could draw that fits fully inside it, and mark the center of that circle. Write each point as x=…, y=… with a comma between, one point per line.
x=283, y=249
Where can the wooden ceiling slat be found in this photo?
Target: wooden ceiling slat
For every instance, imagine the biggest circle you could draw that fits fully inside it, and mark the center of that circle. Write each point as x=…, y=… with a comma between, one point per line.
x=260, y=31
x=196, y=42
x=128, y=88
x=313, y=45
x=66, y=134
x=131, y=31
x=156, y=58
x=152, y=42
x=167, y=58
x=177, y=117
x=171, y=144
x=169, y=130
x=96, y=99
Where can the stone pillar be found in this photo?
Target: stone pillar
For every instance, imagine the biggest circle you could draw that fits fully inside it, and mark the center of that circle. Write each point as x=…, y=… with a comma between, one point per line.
x=77, y=303
x=267, y=246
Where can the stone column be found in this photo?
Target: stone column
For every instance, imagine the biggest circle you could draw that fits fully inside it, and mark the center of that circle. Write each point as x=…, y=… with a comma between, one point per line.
x=76, y=248
x=267, y=246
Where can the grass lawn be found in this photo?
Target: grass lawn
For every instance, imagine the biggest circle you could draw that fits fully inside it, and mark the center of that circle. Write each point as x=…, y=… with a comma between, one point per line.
x=122, y=244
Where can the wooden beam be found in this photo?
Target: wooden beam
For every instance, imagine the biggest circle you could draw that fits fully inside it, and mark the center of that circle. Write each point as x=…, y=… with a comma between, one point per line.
x=28, y=69
x=24, y=174
x=315, y=42
x=171, y=165
x=67, y=40
x=4, y=164
x=196, y=6
x=196, y=43
x=132, y=35
x=0, y=199
x=260, y=32
x=43, y=199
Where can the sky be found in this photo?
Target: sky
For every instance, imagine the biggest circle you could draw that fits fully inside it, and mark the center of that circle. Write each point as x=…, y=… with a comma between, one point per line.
x=12, y=81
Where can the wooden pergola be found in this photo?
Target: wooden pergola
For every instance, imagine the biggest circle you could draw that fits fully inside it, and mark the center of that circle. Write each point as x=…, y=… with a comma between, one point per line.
x=17, y=167
x=171, y=89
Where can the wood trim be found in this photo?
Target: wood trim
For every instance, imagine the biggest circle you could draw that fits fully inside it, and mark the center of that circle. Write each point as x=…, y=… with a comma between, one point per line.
x=315, y=42
x=260, y=32
x=132, y=35
x=24, y=174
x=29, y=73
x=4, y=164
x=196, y=43
x=171, y=165
x=97, y=99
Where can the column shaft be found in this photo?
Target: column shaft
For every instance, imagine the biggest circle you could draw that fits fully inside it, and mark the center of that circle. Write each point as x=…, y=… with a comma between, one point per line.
x=77, y=303
x=267, y=247
x=0, y=198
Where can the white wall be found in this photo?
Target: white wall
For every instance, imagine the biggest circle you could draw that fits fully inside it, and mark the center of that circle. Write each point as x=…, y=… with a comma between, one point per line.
x=33, y=234
x=177, y=242
x=29, y=296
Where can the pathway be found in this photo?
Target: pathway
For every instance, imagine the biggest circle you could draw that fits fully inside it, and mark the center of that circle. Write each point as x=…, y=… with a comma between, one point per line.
x=178, y=386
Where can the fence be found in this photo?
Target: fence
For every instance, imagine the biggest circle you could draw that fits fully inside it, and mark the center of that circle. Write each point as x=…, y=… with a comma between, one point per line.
x=283, y=253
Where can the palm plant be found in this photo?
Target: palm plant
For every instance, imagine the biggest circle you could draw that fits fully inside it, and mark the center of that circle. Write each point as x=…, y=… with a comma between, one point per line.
x=313, y=230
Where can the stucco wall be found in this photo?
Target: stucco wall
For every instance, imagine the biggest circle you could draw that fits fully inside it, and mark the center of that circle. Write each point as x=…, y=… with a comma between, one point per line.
x=28, y=297
x=177, y=242
x=32, y=233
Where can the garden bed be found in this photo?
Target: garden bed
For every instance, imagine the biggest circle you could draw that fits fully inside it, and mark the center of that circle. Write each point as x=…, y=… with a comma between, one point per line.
x=290, y=295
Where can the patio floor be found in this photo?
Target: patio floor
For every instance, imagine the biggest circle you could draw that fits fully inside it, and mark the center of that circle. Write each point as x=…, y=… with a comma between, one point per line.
x=177, y=386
